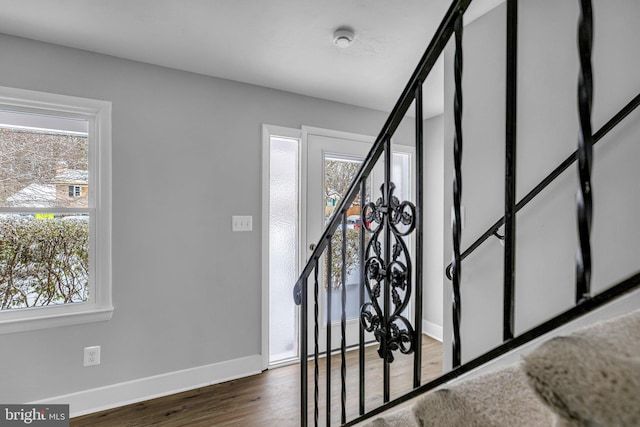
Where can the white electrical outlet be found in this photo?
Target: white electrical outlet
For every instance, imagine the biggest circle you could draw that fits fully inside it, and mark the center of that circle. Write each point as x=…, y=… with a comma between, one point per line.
x=92, y=355
x=241, y=223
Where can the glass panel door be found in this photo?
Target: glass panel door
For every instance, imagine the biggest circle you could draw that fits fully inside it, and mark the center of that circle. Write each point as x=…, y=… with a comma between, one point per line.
x=331, y=166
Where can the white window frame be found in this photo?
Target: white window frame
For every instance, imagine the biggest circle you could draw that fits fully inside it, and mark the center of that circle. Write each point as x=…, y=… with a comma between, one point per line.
x=99, y=307
x=75, y=191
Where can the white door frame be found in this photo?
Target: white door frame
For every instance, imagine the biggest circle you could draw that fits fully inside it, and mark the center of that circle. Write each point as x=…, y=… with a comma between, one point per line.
x=267, y=132
x=302, y=135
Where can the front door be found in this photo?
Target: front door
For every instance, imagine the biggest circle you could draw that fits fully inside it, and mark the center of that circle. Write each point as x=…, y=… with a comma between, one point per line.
x=332, y=165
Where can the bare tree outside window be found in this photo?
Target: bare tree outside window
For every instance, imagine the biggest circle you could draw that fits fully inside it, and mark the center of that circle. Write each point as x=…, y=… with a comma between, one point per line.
x=29, y=157
x=339, y=174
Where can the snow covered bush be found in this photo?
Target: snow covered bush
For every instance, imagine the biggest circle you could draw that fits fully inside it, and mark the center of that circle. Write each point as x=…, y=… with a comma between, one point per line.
x=43, y=260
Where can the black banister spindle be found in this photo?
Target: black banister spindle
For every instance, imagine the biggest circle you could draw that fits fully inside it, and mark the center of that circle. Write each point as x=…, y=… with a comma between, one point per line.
x=387, y=282
x=303, y=355
x=417, y=357
x=361, y=260
x=316, y=345
x=585, y=153
x=343, y=323
x=457, y=191
x=510, y=172
x=329, y=286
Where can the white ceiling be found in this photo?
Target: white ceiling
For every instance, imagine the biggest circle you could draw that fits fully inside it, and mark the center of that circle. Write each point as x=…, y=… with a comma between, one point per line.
x=281, y=44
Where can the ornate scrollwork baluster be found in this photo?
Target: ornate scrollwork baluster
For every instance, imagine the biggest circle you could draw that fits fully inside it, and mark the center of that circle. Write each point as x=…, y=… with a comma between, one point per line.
x=397, y=332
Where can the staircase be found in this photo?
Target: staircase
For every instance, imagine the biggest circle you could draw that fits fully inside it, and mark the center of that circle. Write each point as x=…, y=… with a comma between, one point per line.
x=495, y=308
x=588, y=378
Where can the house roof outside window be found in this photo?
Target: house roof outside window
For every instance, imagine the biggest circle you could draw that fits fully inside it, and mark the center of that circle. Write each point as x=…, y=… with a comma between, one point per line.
x=72, y=176
x=34, y=196
x=45, y=195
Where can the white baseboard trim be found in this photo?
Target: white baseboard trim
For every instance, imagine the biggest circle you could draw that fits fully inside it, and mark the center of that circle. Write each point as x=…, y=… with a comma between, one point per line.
x=433, y=330
x=126, y=393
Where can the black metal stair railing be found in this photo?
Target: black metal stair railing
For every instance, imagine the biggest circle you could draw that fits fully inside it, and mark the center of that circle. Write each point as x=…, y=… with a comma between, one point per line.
x=390, y=278
x=386, y=266
x=386, y=274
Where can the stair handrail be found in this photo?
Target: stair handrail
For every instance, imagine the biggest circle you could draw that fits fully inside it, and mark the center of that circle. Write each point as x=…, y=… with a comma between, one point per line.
x=604, y=130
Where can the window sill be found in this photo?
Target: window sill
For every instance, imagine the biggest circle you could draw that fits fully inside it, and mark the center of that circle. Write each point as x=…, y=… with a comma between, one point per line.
x=31, y=319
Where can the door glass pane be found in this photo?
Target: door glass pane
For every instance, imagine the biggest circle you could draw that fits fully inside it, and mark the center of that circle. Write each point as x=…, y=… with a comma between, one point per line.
x=283, y=249
x=339, y=172
x=400, y=171
x=400, y=176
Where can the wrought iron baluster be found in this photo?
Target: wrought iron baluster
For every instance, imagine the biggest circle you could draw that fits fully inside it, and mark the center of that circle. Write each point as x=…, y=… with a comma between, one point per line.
x=329, y=286
x=387, y=285
x=316, y=331
x=585, y=153
x=303, y=356
x=343, y=323
x=417, y=356
x=510, y=173
x=457, y=191
x=363, y=190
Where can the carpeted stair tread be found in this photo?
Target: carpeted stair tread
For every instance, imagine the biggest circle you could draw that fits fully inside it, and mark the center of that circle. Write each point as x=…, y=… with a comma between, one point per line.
x=591, y=377
x=498, y=399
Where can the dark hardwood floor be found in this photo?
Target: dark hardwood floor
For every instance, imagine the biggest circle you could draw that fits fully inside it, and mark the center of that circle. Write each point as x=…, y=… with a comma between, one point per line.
x=272, y=397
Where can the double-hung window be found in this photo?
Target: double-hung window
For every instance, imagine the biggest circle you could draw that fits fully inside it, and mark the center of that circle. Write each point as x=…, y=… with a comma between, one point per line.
x=55, y=210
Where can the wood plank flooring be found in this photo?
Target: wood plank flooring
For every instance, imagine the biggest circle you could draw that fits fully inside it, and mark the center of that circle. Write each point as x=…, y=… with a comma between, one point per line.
x=272, y=398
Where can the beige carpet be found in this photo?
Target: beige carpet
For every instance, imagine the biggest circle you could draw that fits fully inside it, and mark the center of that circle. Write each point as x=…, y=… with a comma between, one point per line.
x=493, y=400
x=590, y=378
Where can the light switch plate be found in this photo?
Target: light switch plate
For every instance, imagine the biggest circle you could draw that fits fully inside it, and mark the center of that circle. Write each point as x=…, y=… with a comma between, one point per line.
x=241, y=223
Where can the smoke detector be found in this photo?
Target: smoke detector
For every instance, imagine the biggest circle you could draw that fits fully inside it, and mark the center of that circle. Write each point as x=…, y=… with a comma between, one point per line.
x=343, y=37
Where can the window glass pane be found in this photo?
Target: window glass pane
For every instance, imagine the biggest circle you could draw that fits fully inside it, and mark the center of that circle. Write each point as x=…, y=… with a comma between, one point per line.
x=42, y=161
x=283, y=249
x=400, y=170
x=44, y=260
x=400, y=175
x=339, y=172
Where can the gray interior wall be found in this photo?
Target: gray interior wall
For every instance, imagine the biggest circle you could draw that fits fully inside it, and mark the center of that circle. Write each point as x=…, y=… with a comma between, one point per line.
x=186, y=157
x=547, y=134
x=433, y=273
